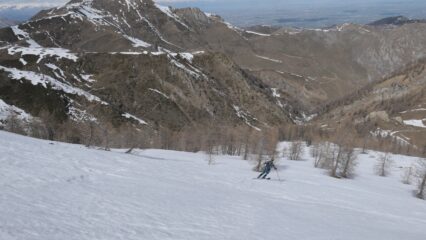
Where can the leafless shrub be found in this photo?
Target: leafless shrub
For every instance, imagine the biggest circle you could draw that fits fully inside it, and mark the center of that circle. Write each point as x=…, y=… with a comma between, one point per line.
x=383, y=165
x=339, y=160
x=37, y=129
x=407, y=175
x=421, y=175
x=315, y=150
x=296, y=151
x=14, y=124
x=260, y=156
x=334, y=160
x=348, y=162
x=323, y=157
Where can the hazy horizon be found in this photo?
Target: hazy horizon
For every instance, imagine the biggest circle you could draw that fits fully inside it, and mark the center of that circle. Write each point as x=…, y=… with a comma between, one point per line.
x=295, y=13
x=308, y=13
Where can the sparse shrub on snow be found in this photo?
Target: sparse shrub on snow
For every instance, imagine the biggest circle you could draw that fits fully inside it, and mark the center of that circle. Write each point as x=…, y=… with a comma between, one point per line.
x=421, y=176
x=323, y=158
x=296, y=151
x=407, y=175
x=383, y=165
x=339, y=160
x=348, y=162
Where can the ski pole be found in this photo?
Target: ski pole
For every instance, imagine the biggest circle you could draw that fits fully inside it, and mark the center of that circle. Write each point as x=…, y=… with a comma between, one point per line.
x=278, y=175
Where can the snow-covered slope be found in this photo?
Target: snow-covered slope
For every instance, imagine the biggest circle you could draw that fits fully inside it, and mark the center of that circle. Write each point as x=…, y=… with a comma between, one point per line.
x=53, y=191
x=7, y=110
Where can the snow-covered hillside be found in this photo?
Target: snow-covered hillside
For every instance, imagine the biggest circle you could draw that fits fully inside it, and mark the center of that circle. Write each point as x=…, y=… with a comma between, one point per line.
x=52, y=191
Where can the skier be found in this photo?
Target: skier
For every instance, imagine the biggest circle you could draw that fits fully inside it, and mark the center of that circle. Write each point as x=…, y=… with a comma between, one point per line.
x=267, y=168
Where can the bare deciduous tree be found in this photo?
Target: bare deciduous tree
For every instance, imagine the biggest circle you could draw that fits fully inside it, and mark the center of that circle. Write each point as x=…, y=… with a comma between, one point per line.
x=324, y=157
x=260, y=155
x=421, y=175
x=407, y=175
x=384, y=164
x=296, y=150
x=348, y=162
x=335, y=159
x=14, y=124
x=315, y=150
x=91, y=125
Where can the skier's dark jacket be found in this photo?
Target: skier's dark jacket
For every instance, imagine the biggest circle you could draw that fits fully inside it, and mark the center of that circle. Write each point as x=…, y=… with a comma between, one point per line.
x=269, y=165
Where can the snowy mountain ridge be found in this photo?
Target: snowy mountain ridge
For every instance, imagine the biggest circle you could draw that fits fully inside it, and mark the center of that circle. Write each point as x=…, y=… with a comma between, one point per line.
x=102, y=58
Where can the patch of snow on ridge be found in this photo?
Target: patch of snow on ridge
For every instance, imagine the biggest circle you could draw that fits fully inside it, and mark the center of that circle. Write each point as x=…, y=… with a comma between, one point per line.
x=93, y=15
x=381, y=133
x=245, y=116
x=56, y=70
x=42, y=52
x=22, y=35
x=269, y=59
x=184, y=55
x=137, y=42
x=130, y=116
x=259, y=34
x=276, y=95
x=414, y=110
x=191, y=70
x=35, y=49
x=44, y=80
x=23, y=61
x=7, y=110
x=79, y=115
x=88, y=77
x=169, y=13
x=415, y=123
x=159, y=92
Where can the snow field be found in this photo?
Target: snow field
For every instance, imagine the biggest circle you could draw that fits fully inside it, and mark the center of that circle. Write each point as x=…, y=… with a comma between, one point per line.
x=53, y=191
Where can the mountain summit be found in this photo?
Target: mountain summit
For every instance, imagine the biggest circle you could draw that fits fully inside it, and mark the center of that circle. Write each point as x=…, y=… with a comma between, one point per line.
x=396, y=21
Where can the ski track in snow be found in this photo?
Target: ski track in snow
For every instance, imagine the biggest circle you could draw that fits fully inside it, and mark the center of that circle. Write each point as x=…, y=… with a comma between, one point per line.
x=52, y=191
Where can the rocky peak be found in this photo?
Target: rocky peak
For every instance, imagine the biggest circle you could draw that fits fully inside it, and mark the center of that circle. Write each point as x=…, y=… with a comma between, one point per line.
x=194, y=16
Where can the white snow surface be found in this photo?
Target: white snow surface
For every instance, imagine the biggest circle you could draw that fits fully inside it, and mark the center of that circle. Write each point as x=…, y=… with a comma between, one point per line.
x=35, y=49
x=52, y=191
x=269, y=59
x=130, y=116
x=246, y=117
x=7, y=110
x=159, y=92
x=415, y=123
x=136, y=42
x=258, y=33
x=43, y=52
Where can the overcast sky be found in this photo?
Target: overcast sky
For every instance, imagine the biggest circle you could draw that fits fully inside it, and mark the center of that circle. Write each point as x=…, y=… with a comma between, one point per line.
x=50, y=3
x=251, y=12
x=216, y=3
